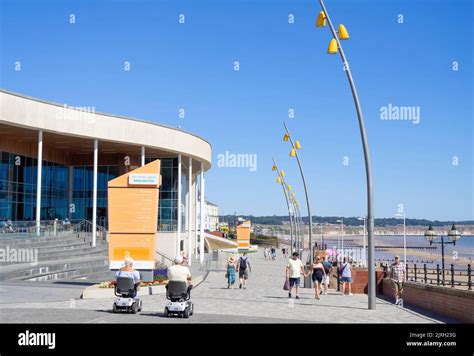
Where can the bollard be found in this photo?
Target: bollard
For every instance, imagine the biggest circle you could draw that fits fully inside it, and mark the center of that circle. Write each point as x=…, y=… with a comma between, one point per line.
x=452, y=275
x=437, y=274
x=414, y=266
x=426, y=272
x=469, y=283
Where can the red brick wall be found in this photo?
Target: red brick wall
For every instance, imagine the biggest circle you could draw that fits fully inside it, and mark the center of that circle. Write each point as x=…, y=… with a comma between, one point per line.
x=359, y=280
x=453, y=303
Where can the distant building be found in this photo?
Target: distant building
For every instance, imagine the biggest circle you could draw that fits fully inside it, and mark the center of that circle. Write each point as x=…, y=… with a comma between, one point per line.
x=212, y=217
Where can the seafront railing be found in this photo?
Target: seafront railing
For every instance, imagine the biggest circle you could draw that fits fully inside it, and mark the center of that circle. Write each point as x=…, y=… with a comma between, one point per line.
x=454, y=277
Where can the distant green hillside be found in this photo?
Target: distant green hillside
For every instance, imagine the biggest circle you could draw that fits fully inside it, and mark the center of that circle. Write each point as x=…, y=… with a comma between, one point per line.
x=351, y=221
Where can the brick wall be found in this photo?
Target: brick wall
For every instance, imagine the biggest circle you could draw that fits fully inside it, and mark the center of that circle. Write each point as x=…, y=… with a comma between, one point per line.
x=359, y=280
x=453, y=303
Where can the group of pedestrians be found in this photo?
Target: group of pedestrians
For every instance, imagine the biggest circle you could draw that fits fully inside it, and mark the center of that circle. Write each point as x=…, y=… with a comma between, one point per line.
x=320, y=273
x=240, y=266
x=269, y=253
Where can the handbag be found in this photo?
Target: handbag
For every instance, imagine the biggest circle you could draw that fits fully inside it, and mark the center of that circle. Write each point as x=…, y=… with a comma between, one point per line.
x=286, y=285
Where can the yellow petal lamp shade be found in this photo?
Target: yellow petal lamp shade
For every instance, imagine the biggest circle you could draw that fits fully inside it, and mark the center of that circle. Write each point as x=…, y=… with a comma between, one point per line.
x=278, y=180
x=321, y=20
x=274, y=168
x=292, y=152
x=332, y=49
x=343, y=34
x=286, y=137
x=288, y=187
x=282, y=173
x=297, y=145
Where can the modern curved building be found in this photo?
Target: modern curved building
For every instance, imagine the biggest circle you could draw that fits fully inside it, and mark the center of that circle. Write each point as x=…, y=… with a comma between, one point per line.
x=56, y=161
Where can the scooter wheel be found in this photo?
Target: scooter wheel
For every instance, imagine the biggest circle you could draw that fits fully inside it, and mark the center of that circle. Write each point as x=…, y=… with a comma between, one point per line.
x=166, y=313
x=186, y=313
x=114, y=309
x=134, y=308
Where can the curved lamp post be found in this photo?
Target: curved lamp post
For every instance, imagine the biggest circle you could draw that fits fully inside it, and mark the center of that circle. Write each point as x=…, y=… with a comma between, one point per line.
x=295, y=146
x=334, y=47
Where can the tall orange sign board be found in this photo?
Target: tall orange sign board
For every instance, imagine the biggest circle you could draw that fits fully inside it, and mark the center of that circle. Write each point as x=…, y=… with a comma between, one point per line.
x=133, y=214
x=243, y=236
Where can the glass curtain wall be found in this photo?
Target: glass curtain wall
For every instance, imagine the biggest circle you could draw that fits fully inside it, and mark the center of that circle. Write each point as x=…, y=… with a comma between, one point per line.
x=18, y=188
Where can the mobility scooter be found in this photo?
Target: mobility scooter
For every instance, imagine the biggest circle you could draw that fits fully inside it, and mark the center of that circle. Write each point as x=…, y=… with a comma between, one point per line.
x=126, y=291
x=178, y=295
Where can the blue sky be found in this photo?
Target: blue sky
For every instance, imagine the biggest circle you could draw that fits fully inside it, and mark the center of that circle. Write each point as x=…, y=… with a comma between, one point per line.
x=282, y=66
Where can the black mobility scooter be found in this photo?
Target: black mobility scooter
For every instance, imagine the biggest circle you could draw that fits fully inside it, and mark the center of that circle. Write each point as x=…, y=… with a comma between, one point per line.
x=178, y=295
x=126, y=291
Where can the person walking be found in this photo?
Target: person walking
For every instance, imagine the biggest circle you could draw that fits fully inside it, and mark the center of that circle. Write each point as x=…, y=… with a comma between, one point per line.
x=231, y=275
x=398, y=278
x=346, y=273
x=318, y=275
x=273, y=252
x=294, y=270
x=327, y=270
x=243, y=266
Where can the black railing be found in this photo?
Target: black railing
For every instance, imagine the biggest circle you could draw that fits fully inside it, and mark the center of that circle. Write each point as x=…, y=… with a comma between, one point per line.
x=459, y=277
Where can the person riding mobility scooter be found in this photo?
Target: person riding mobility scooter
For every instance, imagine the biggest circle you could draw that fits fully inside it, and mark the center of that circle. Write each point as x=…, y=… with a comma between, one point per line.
x=126, y=288
x=178, y=290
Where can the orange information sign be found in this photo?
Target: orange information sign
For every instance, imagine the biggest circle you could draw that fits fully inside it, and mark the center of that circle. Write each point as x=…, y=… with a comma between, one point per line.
x=133, y=213
x=243, y=236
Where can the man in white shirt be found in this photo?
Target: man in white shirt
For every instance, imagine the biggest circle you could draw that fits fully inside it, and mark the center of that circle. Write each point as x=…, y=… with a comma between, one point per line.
x=294, y=269
x=180, y=273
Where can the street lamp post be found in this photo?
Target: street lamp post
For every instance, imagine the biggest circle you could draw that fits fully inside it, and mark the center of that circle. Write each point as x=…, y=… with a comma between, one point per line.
x=342, y=235
x=295, y=217
x=453, y=235
x=400, y=215
x=364, y=244
x=280, y=180
x=294, y=148
x=333, y=48
x=298, y=219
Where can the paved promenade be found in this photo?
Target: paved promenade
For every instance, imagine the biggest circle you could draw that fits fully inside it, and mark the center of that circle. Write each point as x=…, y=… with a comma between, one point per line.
x=264, y=301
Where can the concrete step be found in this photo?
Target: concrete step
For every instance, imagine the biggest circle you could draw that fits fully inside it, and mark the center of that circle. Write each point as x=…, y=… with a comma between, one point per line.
x=82, y=252
x=32, y=243
x=82, y=273
x=105, y=276
x=24, y=271
x=79, y=251
x=32, y=237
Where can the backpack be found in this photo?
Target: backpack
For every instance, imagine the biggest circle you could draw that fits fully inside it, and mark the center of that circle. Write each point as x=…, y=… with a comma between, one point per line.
x=243, y=263
x=327, y=266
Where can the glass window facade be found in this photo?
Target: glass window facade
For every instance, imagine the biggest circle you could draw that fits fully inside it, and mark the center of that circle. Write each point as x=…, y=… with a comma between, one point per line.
x=18, y=188
x=168, y=199
x=82, y=184
x=65, y=196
